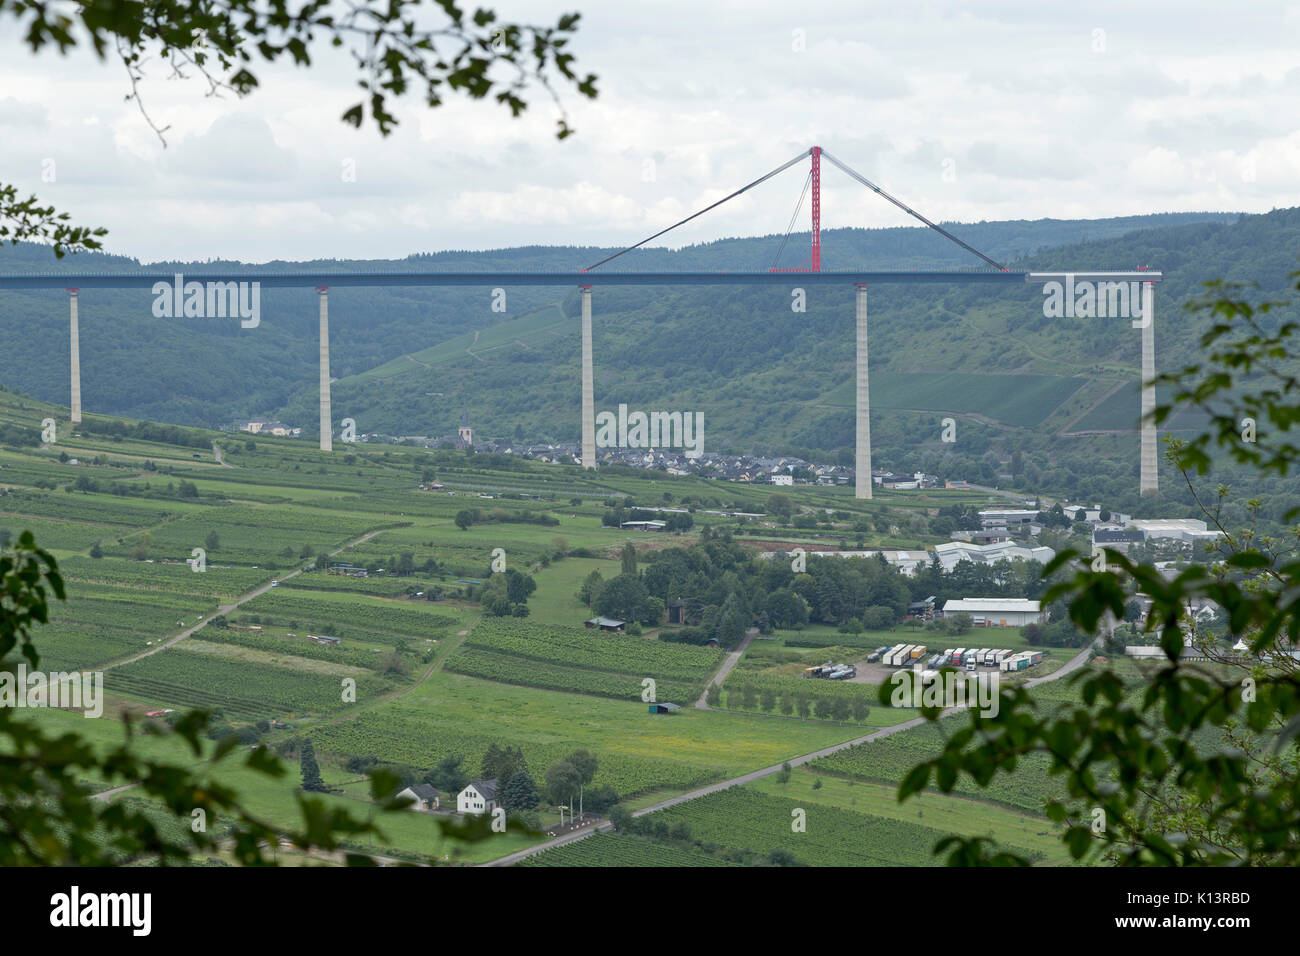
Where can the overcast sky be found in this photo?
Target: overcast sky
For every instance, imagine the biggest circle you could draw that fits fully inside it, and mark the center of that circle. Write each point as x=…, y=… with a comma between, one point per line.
x=988, y=110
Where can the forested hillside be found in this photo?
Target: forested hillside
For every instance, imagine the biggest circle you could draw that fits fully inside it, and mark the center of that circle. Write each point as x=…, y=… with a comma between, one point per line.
x=765, y=378
x=162, y=369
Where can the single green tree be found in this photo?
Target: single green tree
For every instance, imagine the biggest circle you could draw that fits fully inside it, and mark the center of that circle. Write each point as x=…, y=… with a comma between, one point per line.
x=519, y=793
x=562, y=782
x=311, y=778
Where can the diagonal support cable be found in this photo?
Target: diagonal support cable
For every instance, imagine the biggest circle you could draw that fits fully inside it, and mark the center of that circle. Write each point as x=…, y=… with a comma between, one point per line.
x=780, y=169
x=790, y=228
x=911, y=212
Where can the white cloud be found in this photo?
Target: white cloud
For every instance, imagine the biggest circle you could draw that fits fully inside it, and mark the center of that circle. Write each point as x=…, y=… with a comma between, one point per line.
x=1034, y=120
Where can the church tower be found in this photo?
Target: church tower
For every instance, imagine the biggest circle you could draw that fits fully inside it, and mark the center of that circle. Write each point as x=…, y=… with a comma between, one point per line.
x=465, y=433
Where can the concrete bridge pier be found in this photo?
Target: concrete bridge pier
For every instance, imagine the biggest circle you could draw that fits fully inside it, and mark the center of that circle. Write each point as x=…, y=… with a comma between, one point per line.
x=588, y=385
x=326, y=422
x=1148, y=482
x=74, y=337
x=862, y=461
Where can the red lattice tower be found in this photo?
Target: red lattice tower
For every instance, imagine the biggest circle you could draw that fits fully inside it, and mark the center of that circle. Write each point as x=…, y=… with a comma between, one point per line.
x=816, y=264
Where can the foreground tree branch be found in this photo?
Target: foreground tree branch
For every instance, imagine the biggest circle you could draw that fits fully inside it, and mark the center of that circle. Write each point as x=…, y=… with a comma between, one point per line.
x=399, y=47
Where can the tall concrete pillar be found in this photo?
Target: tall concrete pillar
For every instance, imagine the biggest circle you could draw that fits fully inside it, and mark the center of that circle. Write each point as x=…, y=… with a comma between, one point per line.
x=1148, y=481
x=74, y=336
x=588, y=386
x=326, y=422
x=862, y=462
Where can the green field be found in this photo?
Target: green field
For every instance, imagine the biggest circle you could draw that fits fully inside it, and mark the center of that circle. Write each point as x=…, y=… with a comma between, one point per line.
x=433, y=678
x=586, y=661
x=603, y=849
x=1034, y=836
x=637, y=751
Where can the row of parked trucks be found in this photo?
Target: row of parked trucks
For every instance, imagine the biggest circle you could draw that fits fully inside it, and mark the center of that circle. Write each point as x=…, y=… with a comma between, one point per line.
x=900, y=655
x=1022, y=661
x=903, y=655
x=830, y=671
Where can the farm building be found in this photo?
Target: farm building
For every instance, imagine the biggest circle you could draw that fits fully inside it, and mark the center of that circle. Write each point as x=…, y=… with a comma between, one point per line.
x=479, y=796
x=997, y=612
x=643, y=525
x=922, y=610
x=1121, y=539
x=1187, y=530
x=950, y=553
x=607, y=623
x=1007, y=517
x=676, y=612
x=664, y=708
x=1155, y=652
x=421, y=795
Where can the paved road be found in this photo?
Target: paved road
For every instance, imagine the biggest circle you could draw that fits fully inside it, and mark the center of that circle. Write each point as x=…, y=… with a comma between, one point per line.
x=725, y=669
x=227, y=608
x=108, y=794
x=224, y=609
x=1079, y=660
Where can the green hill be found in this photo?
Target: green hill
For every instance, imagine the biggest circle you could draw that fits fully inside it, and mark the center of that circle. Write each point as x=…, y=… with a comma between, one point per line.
x=408, y=361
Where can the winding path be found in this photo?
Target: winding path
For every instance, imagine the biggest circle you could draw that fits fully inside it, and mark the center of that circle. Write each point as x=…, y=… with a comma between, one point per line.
x=227, y=608
x=731, y=660
x=1072, y=665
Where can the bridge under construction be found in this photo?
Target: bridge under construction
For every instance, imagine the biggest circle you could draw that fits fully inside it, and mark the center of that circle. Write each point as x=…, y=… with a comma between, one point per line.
x=810, y=274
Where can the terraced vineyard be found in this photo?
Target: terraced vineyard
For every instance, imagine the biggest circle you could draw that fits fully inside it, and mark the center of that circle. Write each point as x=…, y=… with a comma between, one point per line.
x=341, y=615
x=257, y=535
x=123, y=515
x=102, y=624
x=745, y=819
x=299, y=646
x=421, y=742
x=218, y=583
x=576, y=659
x=891, y=758
x=604, y=849
x=181, y=678
x=379, y=587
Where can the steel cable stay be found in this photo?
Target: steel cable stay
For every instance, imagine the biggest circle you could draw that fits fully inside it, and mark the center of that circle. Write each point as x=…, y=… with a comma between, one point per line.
x=814, y=180
x=790, y=228
x=910, y=211
x=743, y=189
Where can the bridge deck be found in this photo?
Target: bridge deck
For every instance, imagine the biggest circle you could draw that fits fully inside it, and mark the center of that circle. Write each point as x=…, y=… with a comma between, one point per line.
x=294, y=280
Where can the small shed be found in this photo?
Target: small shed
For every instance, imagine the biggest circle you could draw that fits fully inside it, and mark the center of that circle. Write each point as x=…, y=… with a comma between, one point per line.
x=663, y=708
x=677, y=612
x=421, y=796
x=607, y=624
